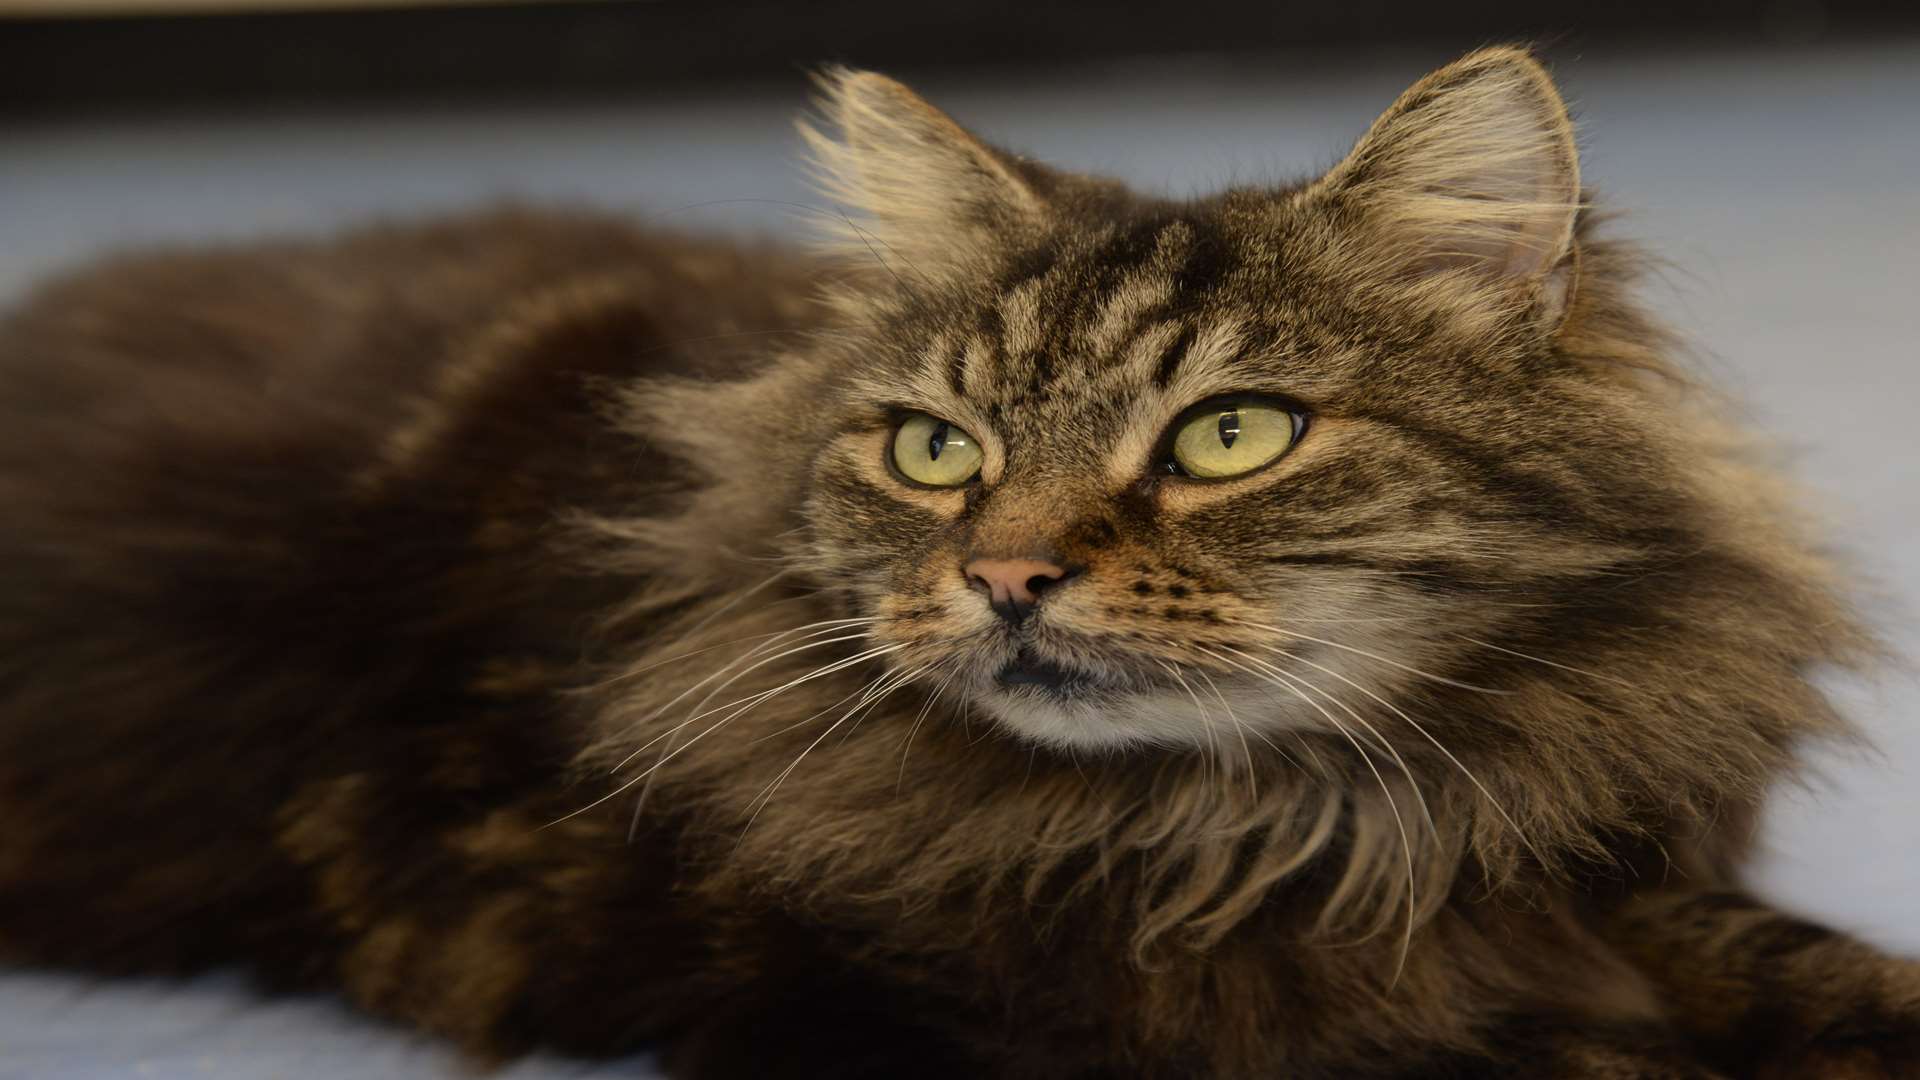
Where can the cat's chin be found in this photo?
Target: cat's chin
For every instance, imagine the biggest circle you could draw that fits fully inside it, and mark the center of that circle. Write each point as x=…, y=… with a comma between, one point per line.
x=1095, y=720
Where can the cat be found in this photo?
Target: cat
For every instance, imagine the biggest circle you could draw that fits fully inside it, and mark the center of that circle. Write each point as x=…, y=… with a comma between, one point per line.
x=1053, y=631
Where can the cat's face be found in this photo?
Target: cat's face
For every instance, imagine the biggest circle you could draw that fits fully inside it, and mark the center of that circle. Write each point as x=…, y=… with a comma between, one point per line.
x=1115, y=470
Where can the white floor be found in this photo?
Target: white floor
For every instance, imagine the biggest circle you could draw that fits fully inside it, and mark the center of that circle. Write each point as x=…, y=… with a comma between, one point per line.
x=1783, y=184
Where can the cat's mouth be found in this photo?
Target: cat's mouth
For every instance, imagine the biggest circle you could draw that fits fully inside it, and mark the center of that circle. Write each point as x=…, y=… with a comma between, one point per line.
x=1064, y=705
x=1030, y=671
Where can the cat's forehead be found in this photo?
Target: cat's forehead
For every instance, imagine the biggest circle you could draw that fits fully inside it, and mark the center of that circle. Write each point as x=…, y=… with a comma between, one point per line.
x=1169, y=308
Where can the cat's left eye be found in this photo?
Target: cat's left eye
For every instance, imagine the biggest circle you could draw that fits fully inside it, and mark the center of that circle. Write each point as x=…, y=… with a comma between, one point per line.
x=931, y=451
x=1231, y=437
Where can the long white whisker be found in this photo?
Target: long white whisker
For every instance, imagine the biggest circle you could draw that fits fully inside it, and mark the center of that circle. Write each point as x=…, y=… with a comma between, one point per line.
x=1393, y=806
x=1206, y=721
x=1257, y=733
x=925, y=710
x=811, y=630
x=778, y=636
x=656, y=713
x=1542, y=660
x=824, y=626
x=860, y=708
x=745, y=705
x=838, y=665
x=1240, y=729
x=677, y=657
x=1442, y=679
x=1437, y=744
x=734, y=602
x=1379, y=739
x=696, y=711
x=901, y=679
x=862, y=692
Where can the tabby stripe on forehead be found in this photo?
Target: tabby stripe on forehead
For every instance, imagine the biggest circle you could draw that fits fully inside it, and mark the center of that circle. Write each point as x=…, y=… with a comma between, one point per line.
x=1140, y=292
x=1130, y=302
x=1020, y=319
x=944, y=354
x=1149, y=349
x=1200, y=348
x=975, y=369
x=1171, y=356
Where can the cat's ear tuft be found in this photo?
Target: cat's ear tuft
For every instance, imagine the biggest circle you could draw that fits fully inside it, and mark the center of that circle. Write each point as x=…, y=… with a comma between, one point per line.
x=1473, y=170
x=919, y=186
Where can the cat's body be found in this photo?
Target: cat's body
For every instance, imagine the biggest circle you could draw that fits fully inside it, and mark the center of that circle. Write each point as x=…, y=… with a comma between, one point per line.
x=394, y=614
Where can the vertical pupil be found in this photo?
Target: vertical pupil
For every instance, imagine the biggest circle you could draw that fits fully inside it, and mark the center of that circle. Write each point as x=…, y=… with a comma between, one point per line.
x=937, y=441
x=1229, y=427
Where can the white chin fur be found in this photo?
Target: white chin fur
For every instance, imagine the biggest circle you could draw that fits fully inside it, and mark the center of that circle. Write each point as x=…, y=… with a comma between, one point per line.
x=1102, y=721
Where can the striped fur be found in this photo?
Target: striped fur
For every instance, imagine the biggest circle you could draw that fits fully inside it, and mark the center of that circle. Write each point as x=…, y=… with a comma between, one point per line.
x=558, y=661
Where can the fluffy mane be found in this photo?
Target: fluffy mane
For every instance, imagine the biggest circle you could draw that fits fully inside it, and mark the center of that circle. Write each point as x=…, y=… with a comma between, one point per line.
x=1663, y=699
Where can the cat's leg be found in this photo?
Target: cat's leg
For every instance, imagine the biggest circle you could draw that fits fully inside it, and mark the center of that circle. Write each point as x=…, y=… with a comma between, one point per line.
x=519, y=928
x=1771, y=995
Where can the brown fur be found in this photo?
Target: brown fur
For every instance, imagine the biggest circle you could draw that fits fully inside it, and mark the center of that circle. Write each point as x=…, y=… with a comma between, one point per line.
x=388, y=615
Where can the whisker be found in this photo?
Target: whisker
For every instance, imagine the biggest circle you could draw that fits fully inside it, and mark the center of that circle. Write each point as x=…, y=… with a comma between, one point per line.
x=671, y=702
x=860, y=708
x=754, y=699
x=906, y=744
x=864, y=688
x=1380, y=740
x=640, y=801
x=1542, y=660
x=1257, y=733
x=633, y=673
x=695, y=711
x=1437, y=744
x=1213, y=748
x=1393, y=806
x=734, y=602
x=749, y=703
x=1240, y=729
x=1442, y=679
x=902, y=679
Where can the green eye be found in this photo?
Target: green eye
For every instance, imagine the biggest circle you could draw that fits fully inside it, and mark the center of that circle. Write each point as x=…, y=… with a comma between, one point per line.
x=1230, y=437
x=933, y=452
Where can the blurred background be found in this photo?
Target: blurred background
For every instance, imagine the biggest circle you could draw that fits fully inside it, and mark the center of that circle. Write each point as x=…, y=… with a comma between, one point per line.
x=1769, y=149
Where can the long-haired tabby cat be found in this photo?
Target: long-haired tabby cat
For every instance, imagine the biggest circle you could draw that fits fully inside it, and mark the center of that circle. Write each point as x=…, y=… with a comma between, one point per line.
x=1057, y=632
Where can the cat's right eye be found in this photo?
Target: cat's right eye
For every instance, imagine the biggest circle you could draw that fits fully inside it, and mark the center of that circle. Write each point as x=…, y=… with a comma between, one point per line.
x=931, y=451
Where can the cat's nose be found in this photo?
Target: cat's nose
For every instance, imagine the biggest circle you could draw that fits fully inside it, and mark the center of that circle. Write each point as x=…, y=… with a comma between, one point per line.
x=1013, y=586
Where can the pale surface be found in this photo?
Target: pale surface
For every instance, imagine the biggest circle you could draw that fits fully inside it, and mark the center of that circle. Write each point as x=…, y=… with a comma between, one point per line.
x=1783, y=185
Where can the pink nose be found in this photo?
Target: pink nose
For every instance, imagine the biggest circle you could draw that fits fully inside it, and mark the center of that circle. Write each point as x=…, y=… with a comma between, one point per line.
x=1013, y=586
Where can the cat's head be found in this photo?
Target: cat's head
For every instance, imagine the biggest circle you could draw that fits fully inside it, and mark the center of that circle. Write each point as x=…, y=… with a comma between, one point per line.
x=1383, y=475
x=1125, y=470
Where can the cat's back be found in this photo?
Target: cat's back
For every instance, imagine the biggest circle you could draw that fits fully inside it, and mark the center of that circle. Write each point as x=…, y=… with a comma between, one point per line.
x=264, y=500
x=343, y=340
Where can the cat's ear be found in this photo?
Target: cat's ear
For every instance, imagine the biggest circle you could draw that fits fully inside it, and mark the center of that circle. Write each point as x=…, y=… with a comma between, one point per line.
x=1472, y=173
x=921, y=188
